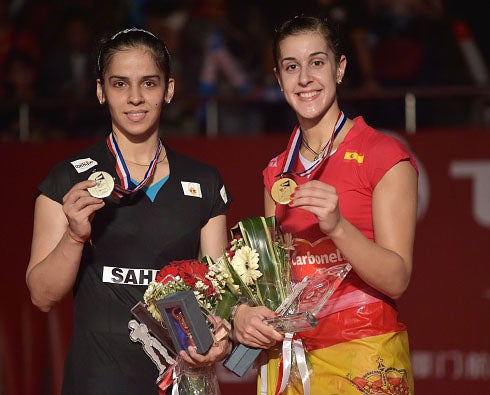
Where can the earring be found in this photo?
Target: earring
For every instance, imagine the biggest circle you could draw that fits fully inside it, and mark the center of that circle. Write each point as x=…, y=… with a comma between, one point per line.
x=339, y=75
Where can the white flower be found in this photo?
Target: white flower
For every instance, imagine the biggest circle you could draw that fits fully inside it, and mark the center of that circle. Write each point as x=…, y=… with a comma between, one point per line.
x=246, y=262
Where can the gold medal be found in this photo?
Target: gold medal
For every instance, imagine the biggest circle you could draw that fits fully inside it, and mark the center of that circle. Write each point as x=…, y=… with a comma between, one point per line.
x=104, y=186
x=282, y=189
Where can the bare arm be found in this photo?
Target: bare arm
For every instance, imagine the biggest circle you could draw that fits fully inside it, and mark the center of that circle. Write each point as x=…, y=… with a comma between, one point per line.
x=55, y=255
x=213, y=237
x=386, y=264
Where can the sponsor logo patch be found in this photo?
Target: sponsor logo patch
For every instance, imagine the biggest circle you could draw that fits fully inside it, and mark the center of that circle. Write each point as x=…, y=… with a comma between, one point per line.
x=191, y=189
x=82, y=165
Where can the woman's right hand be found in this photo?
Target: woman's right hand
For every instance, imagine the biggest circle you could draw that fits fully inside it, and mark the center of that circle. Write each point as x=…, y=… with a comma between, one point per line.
x=249, y=327
x=79, y=208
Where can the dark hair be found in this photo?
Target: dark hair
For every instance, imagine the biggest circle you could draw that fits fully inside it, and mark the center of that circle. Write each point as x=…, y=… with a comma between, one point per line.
x=132, y=38
x=304, y=24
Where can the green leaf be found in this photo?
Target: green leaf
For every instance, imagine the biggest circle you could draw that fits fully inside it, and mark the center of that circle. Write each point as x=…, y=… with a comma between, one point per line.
x=223, y=308
x=256, y=232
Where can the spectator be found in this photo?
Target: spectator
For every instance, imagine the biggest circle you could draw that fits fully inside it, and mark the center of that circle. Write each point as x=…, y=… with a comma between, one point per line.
x=15, y=36
x=69, y=74
x=20, y=116
x=405, y=39
x=217, y=67
x=69, y=65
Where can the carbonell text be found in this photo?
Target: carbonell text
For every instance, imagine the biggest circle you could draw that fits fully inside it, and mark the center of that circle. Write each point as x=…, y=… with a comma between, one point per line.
x=314, y=259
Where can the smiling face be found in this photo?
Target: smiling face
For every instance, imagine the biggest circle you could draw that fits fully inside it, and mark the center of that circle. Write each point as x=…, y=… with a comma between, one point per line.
x=135, y=92
x=308, y=73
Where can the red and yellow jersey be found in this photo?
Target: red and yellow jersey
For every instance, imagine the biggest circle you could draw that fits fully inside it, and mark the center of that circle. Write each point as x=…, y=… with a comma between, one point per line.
x=357, y=319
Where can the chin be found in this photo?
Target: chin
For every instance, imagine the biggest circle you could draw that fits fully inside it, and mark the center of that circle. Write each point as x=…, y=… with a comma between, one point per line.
x=310, y=116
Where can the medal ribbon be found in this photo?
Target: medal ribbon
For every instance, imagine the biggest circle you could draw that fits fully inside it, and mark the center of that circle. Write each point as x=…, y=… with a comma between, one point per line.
x=127, y=186
x=295, y=144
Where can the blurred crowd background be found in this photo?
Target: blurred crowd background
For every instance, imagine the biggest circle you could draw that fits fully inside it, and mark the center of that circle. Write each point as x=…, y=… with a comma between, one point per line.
x=432, y=51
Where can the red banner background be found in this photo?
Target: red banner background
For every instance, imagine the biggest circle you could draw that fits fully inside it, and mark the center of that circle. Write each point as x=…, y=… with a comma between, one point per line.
x=446, y=307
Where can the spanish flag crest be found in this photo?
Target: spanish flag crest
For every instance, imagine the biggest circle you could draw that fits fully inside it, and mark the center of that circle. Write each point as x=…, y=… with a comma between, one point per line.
x=349, y=155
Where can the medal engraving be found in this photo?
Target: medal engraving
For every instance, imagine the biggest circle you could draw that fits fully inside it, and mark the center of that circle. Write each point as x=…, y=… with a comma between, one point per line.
x=282, y=189
x=104, y=186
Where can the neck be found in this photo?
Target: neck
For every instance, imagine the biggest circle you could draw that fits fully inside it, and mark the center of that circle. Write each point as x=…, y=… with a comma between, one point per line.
x=136, y=149
x=318, y=133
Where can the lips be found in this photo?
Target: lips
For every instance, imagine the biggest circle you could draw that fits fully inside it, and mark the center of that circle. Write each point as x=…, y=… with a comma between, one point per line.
x=136, y=116
x=308, y=95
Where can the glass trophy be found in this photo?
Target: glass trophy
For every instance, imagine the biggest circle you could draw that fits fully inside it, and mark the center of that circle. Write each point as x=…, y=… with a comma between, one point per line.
x=299, y=310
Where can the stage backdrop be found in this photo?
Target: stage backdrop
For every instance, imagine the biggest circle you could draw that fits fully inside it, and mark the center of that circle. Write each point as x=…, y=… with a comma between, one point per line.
x=446, y=308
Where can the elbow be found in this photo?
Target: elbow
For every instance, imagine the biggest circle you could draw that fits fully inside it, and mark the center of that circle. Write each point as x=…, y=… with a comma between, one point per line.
x=39, y=296
x=401, y=281
x=398, y=290
x=396, y=296
x=41, y=304
x=41, y=300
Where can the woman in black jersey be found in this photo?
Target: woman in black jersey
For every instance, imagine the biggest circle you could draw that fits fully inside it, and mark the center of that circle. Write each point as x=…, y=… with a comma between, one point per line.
x=107, y=219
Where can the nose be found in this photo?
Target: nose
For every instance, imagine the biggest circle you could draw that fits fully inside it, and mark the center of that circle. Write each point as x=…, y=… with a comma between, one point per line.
x=304, y=76
x=135, y=95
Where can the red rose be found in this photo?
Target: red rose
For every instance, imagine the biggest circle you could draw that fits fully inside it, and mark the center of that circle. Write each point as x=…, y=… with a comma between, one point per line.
x=191, y=271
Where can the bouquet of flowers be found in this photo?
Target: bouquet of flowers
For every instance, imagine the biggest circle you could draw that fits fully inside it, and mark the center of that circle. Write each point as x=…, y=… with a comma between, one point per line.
x=207, y=284
x=256, y=264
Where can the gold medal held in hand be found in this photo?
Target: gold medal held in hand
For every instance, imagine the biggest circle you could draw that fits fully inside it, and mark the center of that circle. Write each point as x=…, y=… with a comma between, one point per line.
x=104, y=186
x=282, y=189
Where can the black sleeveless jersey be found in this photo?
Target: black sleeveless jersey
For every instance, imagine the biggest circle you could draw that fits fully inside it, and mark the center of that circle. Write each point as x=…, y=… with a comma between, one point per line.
x=131, y=240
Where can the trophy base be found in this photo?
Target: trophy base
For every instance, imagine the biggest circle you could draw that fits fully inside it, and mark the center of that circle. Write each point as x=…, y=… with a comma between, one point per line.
x=241, y=358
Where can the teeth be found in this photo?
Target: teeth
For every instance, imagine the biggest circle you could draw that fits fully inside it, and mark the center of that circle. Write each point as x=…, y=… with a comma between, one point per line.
x=307, y=95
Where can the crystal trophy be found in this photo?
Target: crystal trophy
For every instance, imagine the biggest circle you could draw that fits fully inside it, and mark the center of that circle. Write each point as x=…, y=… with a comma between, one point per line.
x=299, y=310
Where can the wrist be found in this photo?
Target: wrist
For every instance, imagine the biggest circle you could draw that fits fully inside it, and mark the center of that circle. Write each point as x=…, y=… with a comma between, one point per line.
x=75, y=237
x=338, y=231
x=235, y=308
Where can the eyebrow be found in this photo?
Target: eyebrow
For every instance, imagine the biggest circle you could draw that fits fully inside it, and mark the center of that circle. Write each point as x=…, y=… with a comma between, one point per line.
x=313, y=54
x=145, y=77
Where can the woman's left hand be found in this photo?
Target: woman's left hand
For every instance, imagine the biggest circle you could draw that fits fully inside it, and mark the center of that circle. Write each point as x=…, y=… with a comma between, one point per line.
x=320, y=199
x=220, y=349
